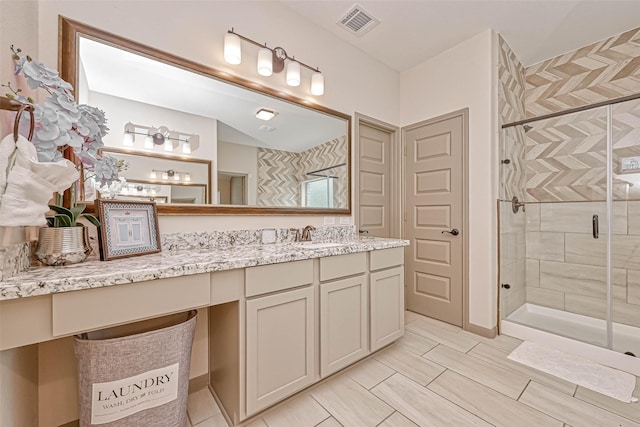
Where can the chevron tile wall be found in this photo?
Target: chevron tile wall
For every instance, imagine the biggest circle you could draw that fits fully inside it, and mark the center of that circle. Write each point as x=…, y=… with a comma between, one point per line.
x=511, y=86
x=601, y=71
x=280, y=173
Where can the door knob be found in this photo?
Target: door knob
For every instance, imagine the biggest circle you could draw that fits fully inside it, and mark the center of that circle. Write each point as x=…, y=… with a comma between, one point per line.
x=453, y=232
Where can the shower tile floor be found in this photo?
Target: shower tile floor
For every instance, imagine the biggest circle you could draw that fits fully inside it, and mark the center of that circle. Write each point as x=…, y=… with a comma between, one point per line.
x=436, y=375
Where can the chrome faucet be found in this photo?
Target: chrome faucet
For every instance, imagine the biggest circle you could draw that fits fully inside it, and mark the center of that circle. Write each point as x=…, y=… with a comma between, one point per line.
x=306, y=233
x=296, y=237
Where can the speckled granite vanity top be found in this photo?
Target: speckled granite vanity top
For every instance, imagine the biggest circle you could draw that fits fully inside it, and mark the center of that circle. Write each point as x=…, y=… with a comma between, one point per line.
x=178, y=260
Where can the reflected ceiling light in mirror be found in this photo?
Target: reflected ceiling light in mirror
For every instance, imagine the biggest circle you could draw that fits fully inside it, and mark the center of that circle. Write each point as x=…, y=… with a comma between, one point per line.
x=171, y=175
x=160, y=137
x=264, y=114
x=272, y=61
x=232, y=48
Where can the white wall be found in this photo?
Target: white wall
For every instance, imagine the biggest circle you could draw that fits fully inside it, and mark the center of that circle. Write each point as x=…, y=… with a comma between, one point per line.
x=242, y=159
x=458, y=78
x=195, y=30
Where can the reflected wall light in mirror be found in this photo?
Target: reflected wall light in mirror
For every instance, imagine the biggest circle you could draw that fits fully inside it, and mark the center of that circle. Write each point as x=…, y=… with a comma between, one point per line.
x=162, y=137
x=272, y=61
x=138, y=84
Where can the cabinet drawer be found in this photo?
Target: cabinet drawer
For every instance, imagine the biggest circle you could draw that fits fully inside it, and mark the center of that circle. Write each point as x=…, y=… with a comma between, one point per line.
x=386, y=258
x=91, y=309
x=342, y=265
x=277, y=277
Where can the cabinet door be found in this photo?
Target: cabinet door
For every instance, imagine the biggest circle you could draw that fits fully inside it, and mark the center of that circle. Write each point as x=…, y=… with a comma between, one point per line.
x=343, y=323
x=280, y=347
x=387, y=306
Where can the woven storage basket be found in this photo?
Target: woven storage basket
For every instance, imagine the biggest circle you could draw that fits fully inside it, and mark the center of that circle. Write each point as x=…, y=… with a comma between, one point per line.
x=124, y=370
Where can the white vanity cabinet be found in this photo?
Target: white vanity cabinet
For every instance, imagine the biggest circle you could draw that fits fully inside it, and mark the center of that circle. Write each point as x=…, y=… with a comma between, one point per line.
x=280, y=332
x=387, y=296
x=344, y=312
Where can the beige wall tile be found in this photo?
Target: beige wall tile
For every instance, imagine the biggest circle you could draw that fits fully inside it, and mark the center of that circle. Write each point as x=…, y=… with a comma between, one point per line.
x=576, y=217
x=488, y=404
x=587, y=306
x=545, y=297
x=422, y=406
x=579, y=279
x=628, y=314
x=510, y=222
x=634, y=217
x=584, y=249
x=548, y=246
x=497, y=378
x=633, y=287
x=532, y=217
x=532, y=272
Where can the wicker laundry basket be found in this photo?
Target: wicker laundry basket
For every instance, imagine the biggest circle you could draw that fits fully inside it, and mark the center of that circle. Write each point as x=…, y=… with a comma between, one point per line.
x=136, y=375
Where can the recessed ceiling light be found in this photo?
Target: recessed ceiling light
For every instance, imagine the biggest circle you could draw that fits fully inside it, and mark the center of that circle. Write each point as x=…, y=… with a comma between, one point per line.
x=264, y=114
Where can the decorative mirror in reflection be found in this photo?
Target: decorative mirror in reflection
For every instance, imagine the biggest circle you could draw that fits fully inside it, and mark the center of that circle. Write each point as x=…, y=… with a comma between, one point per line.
x=159, y=177
x=197, y=137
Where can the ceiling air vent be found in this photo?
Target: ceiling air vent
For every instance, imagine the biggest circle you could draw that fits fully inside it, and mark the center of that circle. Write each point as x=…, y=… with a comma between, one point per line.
x=358, y=21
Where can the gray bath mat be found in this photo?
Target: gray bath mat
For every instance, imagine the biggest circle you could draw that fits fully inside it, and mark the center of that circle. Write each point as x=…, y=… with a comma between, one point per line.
x=602, y=379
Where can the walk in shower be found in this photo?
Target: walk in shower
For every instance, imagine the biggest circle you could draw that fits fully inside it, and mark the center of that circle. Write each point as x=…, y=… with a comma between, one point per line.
x=569, y=224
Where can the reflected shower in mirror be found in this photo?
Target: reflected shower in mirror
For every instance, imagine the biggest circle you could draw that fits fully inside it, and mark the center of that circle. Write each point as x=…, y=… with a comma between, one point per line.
x=262, y=151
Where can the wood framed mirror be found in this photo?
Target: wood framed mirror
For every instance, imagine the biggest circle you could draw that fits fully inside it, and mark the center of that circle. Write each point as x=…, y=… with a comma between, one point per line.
x=297, y=163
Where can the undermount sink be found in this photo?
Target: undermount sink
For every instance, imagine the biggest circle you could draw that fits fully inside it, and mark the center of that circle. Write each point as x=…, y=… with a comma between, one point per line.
x=318, y=245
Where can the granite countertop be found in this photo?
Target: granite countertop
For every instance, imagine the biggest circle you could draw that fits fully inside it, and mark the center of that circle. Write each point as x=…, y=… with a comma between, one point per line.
x=174, y=263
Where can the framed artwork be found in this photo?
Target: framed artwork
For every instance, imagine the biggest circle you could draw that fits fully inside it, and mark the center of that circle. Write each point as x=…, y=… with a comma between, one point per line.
x=127, y=228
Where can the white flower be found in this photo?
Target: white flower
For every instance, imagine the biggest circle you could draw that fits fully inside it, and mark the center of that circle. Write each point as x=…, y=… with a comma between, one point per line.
x=61, y=123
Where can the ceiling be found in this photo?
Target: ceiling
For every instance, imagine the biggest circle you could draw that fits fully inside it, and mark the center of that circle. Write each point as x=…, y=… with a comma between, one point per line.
x=413, y=31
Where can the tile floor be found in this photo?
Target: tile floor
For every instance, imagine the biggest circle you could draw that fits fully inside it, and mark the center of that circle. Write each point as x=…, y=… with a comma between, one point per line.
x=437, y=375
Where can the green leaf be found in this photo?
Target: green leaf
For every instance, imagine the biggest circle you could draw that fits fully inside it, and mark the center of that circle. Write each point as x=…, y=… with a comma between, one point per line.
x=9, y=95
x=92, y=219
x=76, y=211
x=62, y=220
x=60, y=211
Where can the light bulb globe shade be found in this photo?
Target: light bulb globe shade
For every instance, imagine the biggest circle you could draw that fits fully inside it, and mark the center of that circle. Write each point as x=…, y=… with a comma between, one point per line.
x=165, y=175
x=265, y=62
x=186, y=147
x=127, y=141
x=153, y=175
x=232, y=49
x=176, y=176
x=148, y=141
x=293, y=74
x=168, y=145
x=317, y=84
x=187, y=177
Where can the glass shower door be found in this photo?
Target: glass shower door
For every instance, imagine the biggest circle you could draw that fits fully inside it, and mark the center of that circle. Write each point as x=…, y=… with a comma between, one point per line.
x=625, y=245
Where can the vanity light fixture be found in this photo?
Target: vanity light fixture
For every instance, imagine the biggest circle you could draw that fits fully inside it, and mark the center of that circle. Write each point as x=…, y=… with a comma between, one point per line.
x=272, y=61
x=157, y=137
x=171, y=175
x=264, y=114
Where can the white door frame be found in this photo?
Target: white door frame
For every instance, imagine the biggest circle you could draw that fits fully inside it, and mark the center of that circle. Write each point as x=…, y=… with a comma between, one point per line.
x=465, y=205
x=395, y=220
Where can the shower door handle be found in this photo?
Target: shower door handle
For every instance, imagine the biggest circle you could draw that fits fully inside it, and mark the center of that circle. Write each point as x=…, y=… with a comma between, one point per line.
x=595, y=226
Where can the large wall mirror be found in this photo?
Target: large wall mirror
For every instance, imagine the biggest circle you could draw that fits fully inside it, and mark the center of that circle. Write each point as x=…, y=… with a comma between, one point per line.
x=192, y=139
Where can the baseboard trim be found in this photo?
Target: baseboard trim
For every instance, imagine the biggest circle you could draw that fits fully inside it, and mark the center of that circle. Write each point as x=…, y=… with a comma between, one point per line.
x=479, y=330
x=198, y=383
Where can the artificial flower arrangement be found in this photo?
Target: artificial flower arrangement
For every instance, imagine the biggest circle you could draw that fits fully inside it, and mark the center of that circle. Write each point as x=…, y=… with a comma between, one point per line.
x=61, y=124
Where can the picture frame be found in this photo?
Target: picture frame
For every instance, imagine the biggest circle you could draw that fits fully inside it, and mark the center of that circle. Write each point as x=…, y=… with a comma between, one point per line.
x=127, y=228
